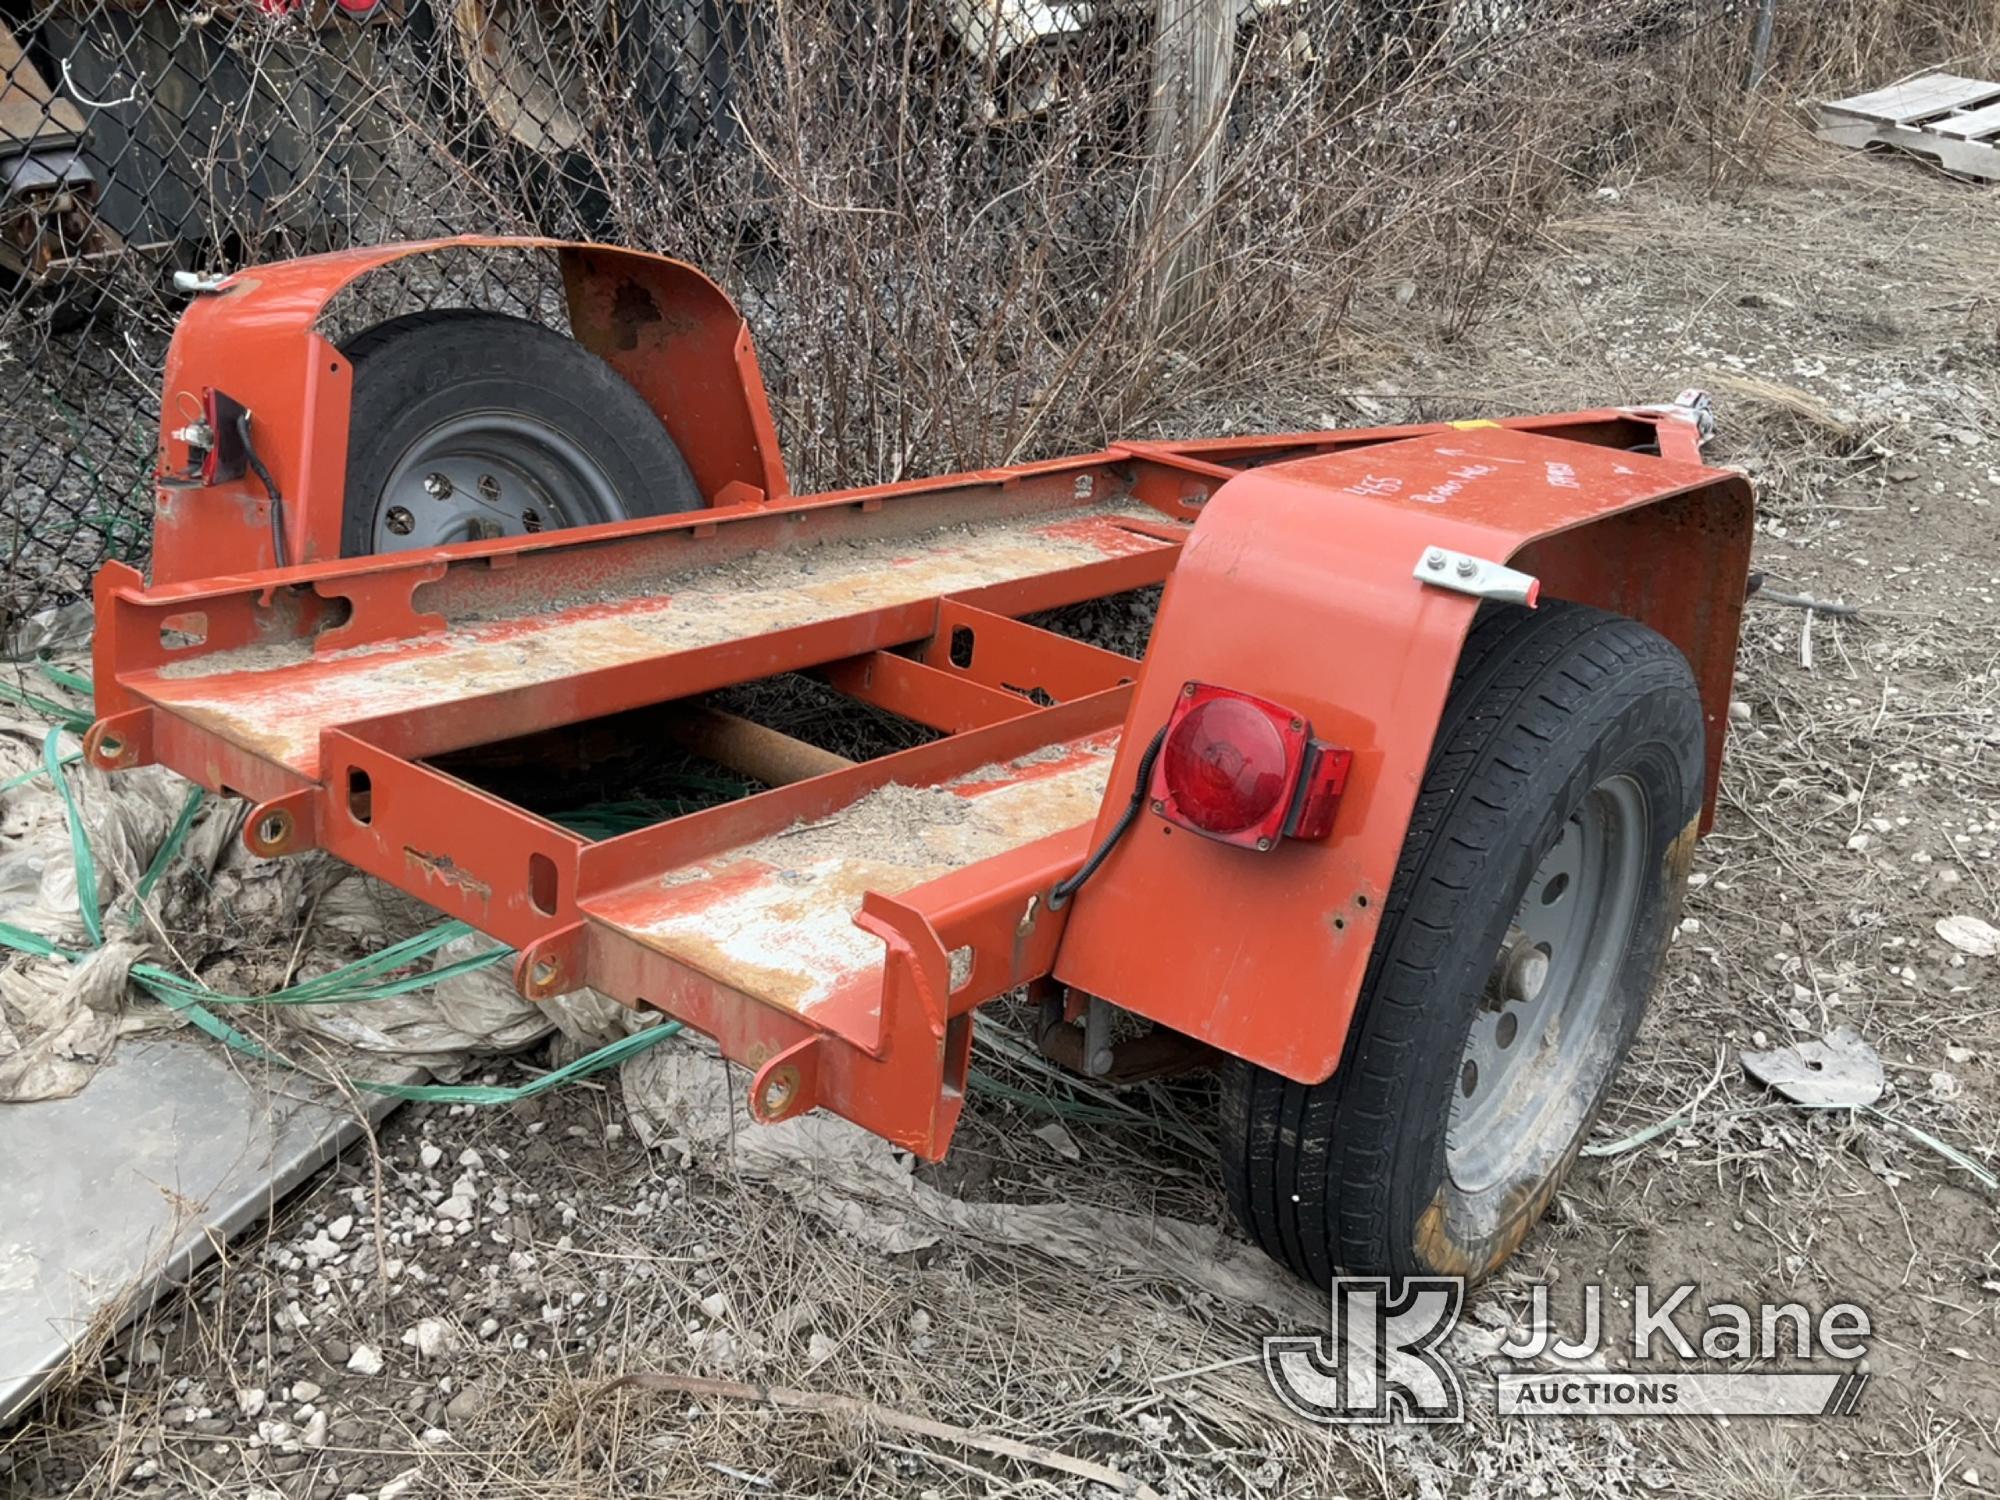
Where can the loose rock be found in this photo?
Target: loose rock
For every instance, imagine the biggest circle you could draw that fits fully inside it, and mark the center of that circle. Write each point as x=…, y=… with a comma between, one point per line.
x=365, y=1360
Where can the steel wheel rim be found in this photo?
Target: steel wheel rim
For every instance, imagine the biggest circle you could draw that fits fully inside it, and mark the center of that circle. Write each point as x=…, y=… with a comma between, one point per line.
x=1532, y=1060
x=491, y=473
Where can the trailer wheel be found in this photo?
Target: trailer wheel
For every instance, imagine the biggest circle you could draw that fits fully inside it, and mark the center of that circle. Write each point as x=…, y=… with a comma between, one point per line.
x=1520, y=939
x=468, y=424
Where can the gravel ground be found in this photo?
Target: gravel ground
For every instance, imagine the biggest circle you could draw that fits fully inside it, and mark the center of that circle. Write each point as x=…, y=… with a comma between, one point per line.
x=450, y=1312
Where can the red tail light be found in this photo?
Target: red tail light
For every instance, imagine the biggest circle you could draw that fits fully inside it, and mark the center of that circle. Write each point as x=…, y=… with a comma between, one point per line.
x=224, y=459
x=1226, y=765
x=1244, y=770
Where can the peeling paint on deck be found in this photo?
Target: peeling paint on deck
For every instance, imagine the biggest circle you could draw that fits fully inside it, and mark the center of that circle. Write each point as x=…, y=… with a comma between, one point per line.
x=276, y=706
x=776, y=919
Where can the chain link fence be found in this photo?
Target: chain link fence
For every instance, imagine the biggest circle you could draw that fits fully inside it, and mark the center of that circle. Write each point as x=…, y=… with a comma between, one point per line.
x=964, y=231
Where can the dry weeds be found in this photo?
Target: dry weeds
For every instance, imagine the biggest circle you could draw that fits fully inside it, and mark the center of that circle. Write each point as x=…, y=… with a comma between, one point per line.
x=1849, y=309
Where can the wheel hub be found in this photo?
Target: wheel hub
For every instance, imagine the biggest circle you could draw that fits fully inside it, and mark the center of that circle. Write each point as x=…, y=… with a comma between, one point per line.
x=489, y=474
x=1530, y=1052
x=1522, y=972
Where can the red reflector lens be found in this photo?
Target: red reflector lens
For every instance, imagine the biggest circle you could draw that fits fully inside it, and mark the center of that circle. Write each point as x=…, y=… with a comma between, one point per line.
x=1226, y=766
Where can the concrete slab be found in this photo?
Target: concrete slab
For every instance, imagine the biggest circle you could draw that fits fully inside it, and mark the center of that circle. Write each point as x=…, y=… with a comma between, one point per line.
x=109, y=1198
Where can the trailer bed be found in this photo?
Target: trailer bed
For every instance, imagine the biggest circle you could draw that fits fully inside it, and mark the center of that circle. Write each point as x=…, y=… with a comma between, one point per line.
x=873, y=906
x=835, y=931
x=775, y=919
x=276, y=699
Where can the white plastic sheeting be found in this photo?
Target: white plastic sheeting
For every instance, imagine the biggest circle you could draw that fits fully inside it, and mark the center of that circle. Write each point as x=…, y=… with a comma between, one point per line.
x=261, y=924
x=685, y=1098
x=58, y=1020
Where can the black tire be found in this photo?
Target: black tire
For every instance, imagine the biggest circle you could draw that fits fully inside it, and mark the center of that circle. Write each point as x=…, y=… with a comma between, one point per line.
x=585, y=446
x=685, y=59
x=1549, y=712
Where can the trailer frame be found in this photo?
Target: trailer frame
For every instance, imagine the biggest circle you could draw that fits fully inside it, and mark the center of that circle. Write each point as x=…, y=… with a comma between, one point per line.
x=323, y=691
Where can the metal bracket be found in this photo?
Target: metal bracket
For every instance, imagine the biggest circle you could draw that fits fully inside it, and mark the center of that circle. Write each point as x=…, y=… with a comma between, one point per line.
x=1699, y=407
x=122, y=741
x=1462, y=573
x=553, y=965
x=283, y=825
x=788, y=1084
x=1693, y=405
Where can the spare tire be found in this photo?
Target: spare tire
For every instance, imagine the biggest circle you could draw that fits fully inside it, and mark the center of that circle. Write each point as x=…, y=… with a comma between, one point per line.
x=467, y=425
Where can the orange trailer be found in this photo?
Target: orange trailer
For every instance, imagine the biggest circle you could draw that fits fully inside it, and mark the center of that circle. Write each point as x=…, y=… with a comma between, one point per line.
x=1391, y=822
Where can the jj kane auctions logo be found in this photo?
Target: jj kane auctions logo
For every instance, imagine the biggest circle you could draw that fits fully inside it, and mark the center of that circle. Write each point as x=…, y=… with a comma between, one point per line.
x=1383, y=1362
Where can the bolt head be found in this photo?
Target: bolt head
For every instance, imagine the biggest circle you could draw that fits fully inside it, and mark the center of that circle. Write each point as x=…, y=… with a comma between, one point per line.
x=400, y=521
x=1434, y=560
x=1530, y=973
x=437, y=486
x=1467, y=567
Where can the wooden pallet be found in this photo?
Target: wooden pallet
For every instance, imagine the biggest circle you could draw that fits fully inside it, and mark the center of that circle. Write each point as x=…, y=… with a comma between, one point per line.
x=1949, y=120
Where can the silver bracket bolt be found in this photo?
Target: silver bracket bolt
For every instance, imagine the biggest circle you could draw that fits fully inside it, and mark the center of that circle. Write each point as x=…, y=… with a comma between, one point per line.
x=1462, y=573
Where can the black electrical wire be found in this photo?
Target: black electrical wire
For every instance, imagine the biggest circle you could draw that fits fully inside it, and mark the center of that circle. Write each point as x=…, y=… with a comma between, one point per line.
x=1059, y=897
x=270, y=487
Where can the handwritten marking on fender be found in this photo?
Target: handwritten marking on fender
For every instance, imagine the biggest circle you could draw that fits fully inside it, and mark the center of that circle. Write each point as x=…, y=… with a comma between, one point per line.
x=1442, y=492
x=1377, y=487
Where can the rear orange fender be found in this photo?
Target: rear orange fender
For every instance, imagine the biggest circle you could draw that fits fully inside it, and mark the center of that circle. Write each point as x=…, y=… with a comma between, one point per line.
x=1297, y=585
x=669, y=330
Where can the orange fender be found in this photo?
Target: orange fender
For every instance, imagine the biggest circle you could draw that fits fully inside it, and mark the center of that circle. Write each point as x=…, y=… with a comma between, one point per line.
x=1297, y=586
x=669, y=330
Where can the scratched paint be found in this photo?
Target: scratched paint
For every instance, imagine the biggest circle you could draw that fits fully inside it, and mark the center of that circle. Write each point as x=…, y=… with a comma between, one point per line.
x=775, y=919
x=278, y=707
